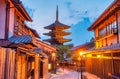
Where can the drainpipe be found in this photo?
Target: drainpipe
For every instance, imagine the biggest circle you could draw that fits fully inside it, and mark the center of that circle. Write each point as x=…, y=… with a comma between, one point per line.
x=6, y=20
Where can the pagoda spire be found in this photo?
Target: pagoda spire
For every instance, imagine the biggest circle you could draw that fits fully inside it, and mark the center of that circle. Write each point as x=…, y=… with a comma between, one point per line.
x=57, y=32
x=57, y=14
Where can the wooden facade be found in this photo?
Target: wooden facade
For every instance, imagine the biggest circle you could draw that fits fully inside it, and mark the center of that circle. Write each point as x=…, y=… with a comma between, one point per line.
x=81, y=49
x=22, y=55
x=47, y=57
x=104, y=60
x=7, y=63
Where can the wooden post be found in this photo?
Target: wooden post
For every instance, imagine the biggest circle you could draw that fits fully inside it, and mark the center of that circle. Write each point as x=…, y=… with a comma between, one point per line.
x=23, y=67
x=10, y=64
x=37, y=66
x=2, y=62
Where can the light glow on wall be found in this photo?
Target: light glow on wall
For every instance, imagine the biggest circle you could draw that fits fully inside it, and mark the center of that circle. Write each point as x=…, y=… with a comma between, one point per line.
x=98, y=56
x=49, y=66
x=89, y=55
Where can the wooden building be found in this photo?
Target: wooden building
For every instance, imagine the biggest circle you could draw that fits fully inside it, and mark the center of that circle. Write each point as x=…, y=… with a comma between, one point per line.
x=22, y=57
x=57, y=32
x=48, y=57
x=81, y=48
x=104, y=60
x=84, y=48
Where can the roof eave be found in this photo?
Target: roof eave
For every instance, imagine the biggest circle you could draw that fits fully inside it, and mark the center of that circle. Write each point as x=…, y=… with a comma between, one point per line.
x=47, y=44
x=90, y=28
x=34, y=31
x=95, y=22
x=21, y=8
x=25, y=13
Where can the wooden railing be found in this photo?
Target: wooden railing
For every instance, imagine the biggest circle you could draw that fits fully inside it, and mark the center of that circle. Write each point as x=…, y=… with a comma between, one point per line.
x=107, y=34
x=114, y=46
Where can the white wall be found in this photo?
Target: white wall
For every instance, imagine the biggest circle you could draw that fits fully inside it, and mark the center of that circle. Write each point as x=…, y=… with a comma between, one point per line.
x=11, y=21
x=2, y=18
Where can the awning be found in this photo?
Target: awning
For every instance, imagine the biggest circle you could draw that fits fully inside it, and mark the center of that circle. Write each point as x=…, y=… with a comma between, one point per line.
x=26, y=39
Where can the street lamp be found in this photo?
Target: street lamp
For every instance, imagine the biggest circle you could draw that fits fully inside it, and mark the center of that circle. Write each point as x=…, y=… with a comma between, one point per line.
x=80, y=59
x=98, y=56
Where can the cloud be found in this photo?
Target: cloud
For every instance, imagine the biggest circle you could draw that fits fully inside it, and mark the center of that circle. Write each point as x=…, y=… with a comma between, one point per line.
x=68, y=4
x=74, y=14
x=84, y=8
x=71, y=12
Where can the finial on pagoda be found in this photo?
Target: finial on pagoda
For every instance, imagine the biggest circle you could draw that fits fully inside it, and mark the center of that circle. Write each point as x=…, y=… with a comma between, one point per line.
x=57, y=14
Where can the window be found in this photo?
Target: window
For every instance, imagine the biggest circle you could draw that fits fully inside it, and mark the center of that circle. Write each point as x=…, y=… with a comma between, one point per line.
x=111, y=28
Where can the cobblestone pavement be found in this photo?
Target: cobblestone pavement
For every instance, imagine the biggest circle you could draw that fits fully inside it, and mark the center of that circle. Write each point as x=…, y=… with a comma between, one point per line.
x=65, y=74
x=70, y=74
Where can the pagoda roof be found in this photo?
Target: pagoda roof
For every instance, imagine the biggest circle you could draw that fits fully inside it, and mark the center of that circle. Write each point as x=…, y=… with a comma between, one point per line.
x=57, y=24
x=58, y=39
x=57, y=32
x=63, y=33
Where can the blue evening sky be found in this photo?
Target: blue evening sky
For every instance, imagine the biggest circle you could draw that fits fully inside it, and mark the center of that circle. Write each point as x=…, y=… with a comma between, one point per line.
x=79, y=14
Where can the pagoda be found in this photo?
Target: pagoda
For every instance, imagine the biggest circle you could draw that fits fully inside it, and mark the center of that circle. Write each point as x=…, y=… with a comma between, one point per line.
x=57, y=32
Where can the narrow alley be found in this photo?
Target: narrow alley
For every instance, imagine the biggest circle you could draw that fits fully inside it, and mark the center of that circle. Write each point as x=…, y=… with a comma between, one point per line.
x=70, y=74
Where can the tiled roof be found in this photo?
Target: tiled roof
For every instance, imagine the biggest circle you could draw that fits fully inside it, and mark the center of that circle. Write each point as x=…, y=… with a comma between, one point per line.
x=58, y=39
x=21, y=9
x=86, y=46
x=57, y=23
x=111, y=9
x=21, y=39
x=33, y=31
x=63, y=33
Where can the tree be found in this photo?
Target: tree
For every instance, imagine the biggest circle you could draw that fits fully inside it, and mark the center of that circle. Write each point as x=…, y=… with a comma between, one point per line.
x=92, y=39
x=63, y=49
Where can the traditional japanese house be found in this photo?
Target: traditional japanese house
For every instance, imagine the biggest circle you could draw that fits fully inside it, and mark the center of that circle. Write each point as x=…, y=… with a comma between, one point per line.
x=21, y=55
x=104, y=60
x=83, y=48
x=48, y=50
x=57, y=32
x=20, y=38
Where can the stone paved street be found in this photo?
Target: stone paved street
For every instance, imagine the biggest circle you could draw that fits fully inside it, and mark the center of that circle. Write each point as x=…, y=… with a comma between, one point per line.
x=69, y=74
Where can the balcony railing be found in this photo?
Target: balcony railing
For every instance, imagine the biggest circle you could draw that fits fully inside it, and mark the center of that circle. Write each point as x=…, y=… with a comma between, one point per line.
x=112, y=31
x=107, y=34
x=114, y=46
